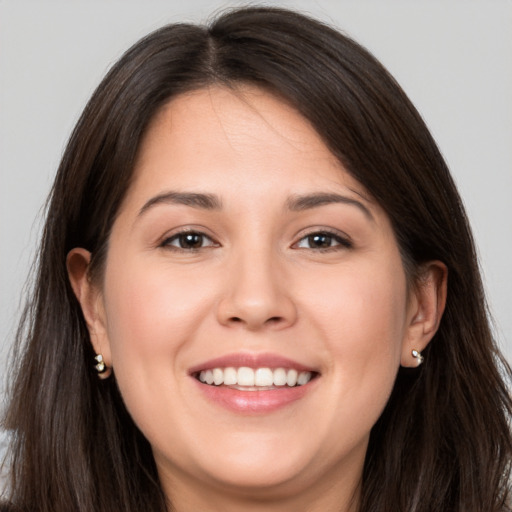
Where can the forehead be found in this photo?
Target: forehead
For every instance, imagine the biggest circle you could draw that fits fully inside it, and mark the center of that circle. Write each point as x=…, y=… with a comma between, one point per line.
x=246, y=138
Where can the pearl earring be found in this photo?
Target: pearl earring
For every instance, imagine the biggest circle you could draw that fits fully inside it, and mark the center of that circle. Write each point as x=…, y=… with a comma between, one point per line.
x=417, y=355
x=100, y=367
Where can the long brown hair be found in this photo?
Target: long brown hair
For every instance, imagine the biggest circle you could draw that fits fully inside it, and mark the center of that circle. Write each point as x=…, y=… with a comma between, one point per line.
x=443, y=442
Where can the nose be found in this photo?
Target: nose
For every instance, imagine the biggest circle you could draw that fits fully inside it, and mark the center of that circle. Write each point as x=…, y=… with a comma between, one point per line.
x=256, y=295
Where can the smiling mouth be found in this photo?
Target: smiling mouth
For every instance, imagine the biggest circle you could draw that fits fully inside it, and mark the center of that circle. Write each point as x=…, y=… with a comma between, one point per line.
x=254, y=379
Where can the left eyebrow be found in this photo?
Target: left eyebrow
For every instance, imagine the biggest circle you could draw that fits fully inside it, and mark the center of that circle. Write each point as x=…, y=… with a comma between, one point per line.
x=192, y=199
x=298, y=203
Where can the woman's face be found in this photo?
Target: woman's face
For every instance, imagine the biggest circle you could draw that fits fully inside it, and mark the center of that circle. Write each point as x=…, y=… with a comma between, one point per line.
x=246, y=254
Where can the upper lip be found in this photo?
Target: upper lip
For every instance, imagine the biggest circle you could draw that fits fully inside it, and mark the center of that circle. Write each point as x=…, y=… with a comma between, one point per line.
x=237, y=360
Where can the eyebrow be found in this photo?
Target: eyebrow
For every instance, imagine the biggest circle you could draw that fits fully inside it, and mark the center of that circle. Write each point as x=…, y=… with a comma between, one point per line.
x=298, y=203
x=192, y=199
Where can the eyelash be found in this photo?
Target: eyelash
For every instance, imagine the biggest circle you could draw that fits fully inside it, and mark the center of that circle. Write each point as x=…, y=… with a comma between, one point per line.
x=341, y=242
x=180, y=237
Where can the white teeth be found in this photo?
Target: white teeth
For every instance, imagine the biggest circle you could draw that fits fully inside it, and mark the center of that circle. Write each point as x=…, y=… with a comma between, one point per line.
x=279, y=377
x=303, y=378
x=291, y=377
x=218, y=376
x=263, y=377
x=230, y=376
x=254, y=378
x=245, y=376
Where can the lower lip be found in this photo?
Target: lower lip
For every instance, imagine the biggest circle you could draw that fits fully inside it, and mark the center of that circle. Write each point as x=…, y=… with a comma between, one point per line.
x=254, y=402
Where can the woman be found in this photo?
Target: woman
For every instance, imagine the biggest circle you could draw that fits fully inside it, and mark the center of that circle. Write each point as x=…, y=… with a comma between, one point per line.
x=252, y=245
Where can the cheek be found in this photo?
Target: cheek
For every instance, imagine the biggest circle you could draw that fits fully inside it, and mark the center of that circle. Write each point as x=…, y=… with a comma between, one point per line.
x=362, y=317
x=360, y=310
x=151, y=312
x=363, y=322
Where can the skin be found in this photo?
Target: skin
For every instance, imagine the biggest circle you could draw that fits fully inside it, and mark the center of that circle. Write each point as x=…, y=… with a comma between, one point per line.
x=257, y=285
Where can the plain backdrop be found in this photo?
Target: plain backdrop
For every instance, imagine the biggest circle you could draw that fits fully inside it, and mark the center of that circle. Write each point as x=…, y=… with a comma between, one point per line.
x=453, y=58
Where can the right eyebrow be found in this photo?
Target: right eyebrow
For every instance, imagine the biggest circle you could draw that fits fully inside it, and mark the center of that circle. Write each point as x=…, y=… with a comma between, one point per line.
x=298, y=203
x=192, y=199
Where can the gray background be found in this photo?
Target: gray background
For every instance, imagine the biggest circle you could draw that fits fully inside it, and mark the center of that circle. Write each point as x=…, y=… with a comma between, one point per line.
x=453, y=58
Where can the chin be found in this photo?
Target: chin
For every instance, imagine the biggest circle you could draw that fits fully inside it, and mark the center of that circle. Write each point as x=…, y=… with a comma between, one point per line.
x=269, y=478
x=254, y=464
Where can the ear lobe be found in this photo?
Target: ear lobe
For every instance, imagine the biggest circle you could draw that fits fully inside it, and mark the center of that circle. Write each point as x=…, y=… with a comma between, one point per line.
x=91, y=302
x=427, y=307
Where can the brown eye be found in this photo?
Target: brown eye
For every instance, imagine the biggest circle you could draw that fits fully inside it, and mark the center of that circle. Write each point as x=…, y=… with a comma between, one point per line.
x=190, y=240
x=320, y=240
x=323, y=240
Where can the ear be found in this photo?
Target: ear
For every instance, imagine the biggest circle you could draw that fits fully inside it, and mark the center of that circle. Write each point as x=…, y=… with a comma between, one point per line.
x=426, y=306
x=91, y=301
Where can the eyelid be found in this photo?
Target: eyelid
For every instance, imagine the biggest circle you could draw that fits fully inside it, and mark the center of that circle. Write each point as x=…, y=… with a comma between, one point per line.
x=173, y=235
x=344, y=241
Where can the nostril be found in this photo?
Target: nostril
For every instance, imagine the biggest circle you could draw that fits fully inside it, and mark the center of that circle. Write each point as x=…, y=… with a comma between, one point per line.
x=269, y=321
